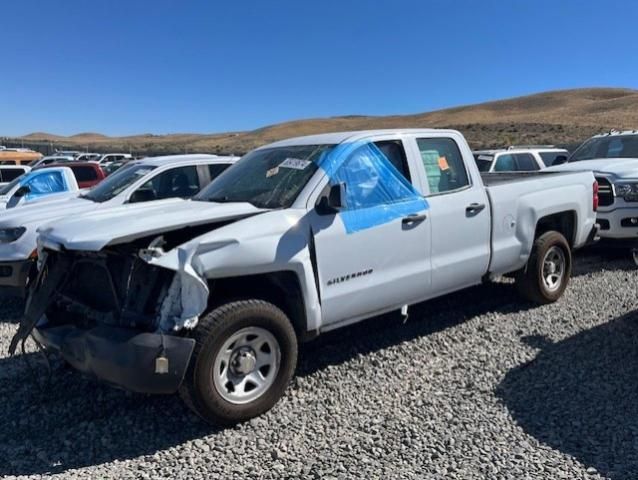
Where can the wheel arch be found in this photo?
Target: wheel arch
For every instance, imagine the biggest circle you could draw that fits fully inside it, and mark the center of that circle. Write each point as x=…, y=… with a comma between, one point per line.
x=281, y=288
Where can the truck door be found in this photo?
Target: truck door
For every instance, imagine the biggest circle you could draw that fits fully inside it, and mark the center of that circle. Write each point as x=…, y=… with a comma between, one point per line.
x=459, y=214
x=373, y=255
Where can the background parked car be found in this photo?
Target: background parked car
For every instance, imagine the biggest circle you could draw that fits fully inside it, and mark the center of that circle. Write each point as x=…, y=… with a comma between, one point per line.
x=8, y=173
x=37, y=184
x=87, y=157
x=108, y=158
x=112, y=167
x=518, y=159
x=87, y=174
x=161, y=178
x=18, y=156
x=48, y=160
x=613, y=158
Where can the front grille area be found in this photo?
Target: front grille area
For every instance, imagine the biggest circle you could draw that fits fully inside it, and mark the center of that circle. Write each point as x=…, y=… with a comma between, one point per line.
x=5, y=271
x=605, y=192
x=108, y=288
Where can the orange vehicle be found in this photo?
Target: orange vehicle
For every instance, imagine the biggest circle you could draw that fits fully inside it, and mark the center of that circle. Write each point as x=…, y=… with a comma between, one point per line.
x=18, y=156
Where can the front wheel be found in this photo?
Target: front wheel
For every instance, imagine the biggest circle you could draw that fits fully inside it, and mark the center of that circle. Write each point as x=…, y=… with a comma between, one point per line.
x=548, y=269
x=245, y=355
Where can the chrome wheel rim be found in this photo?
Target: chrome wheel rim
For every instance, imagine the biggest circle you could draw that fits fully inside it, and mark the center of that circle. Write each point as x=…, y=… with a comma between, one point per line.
x=246, y=365
x=553, y=268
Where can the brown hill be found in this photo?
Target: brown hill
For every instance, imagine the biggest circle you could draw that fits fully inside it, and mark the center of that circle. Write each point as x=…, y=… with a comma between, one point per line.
x=564, y=117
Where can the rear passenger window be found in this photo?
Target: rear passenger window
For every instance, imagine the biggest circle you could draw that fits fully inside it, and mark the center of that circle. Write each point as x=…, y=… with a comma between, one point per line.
x=215, y=169
x=526, y=162
x=443, y=164
x=180, y=182
x=9, y=174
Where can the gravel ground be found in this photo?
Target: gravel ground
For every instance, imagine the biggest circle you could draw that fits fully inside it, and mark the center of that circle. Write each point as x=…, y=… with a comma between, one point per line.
x=474, y=385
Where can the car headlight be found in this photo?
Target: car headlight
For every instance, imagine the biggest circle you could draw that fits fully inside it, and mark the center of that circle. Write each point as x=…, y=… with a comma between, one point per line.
x=628, y=191
x=8, y=235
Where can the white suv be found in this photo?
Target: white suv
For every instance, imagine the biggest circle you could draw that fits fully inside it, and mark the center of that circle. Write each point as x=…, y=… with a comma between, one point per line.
x=519, y=158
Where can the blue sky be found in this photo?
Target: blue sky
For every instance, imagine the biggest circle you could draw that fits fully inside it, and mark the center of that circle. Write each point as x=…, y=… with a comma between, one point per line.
x=164, y=66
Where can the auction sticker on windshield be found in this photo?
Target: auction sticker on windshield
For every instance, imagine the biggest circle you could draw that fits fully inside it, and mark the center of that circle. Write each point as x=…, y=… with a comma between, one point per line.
x=296, y=163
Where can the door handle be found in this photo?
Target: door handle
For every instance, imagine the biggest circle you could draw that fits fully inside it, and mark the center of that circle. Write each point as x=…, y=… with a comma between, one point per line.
x=474, y=207
x=413, y=218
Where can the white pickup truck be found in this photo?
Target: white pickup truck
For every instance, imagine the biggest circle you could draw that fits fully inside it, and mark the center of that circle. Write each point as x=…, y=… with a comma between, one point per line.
x=38, y=185
x=613, y=157
x=210, y=296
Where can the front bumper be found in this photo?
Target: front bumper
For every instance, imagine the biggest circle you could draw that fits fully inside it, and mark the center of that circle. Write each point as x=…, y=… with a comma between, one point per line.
x=121, y=356
x=618, y=224
x=15, y=274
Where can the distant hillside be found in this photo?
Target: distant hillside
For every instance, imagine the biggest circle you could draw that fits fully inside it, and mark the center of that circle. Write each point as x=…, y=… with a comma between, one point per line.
x=561, y=117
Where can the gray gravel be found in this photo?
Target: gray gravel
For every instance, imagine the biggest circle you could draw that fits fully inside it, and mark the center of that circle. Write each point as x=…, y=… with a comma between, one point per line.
x=474, y=385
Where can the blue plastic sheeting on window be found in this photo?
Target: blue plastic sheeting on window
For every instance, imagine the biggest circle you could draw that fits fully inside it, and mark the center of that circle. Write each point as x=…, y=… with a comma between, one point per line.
x=376, y=192
x=44, y=183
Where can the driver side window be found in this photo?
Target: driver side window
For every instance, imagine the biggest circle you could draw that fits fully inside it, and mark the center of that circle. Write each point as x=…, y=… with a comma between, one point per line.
x=45, y=183
x=181, y=182
x=371, y=179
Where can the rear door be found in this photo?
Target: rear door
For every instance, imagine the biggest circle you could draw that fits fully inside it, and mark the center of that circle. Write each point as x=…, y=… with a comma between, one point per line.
x=459, y=213
x=367, y=263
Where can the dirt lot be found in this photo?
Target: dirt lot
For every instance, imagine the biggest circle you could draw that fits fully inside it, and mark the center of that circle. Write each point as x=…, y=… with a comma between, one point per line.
x=474, y=385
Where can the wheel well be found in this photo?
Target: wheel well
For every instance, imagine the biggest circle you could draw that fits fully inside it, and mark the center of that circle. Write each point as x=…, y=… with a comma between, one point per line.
x=563, y=222
x=282, y=289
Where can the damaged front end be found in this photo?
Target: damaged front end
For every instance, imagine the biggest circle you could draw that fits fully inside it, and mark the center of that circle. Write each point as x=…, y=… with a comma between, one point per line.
x=111, y=314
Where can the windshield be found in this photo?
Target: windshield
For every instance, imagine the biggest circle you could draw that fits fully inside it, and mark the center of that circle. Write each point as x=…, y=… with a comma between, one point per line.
x=484, y=162
x=612, y=146
x=7, y=188
x=267, y=178
x=117, y=182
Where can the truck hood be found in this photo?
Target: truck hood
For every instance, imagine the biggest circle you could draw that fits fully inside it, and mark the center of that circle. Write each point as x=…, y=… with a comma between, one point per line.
x=112, y=226
x=614, y=167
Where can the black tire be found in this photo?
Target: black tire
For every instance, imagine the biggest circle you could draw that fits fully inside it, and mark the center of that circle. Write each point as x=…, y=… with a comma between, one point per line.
x=198, y=389
x=530, y=282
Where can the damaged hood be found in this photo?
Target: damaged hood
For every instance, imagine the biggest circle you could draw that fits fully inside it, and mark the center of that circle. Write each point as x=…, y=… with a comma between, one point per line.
x=615, y=167
x=94, y=231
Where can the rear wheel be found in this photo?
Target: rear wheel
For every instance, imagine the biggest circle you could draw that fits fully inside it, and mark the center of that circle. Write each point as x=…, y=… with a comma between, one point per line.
x=548, y=269
x=244, y=358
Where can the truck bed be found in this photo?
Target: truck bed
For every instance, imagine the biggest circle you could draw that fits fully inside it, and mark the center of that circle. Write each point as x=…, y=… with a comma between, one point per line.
x=494, y=178
x=518, y=199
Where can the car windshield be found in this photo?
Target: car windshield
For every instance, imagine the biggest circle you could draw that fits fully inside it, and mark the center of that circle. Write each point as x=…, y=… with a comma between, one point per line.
x=267, y=178
x=484, y=162
x=611, y=146
x=117, y=183
x=7, y=188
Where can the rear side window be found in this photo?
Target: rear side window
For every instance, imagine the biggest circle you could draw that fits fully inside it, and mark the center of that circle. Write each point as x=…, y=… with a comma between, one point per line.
x=443, y=164
x=505, y=163
x=84, y=174
x=215, y=169
x=9, y=174
x=180, y=182
x=525, y=162
x=550, y=157
x=483, y=162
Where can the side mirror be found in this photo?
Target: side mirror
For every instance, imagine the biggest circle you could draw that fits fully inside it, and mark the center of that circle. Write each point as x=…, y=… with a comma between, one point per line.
x=22, y=191
x=560, y=159
x=332, y=202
